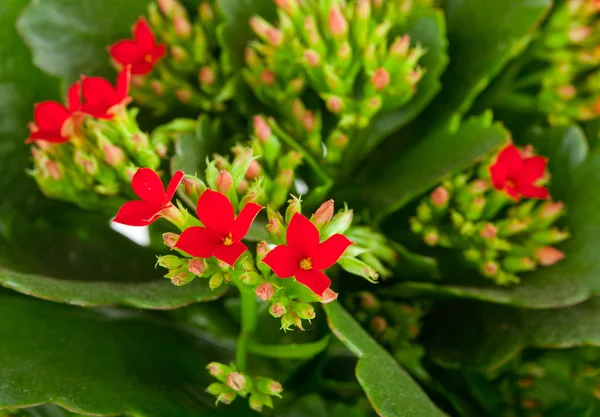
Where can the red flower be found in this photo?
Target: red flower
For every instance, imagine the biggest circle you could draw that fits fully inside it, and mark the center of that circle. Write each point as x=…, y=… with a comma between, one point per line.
x=141, y=52
x=101, y=100
x=222, y=232
x=518, y=174
x=304, y=257
x=154, y=200
x=53, y=120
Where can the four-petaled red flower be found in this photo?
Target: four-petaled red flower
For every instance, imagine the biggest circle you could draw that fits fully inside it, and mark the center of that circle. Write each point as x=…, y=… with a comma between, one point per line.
x=220, y=237
x=518, y=175
x=305, y=257
x=141, y=52
x=101, y=100
x=53, y=121
x=154, y=200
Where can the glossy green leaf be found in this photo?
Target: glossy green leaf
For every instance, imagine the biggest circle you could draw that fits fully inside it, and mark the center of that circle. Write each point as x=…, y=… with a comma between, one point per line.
x=391, y=391
x=106, y=362
x=290, y=350
x=491, y=335
x=427, y=163
x=192, y=149
x=573, y=279
x=70, y=37
x=426, y=26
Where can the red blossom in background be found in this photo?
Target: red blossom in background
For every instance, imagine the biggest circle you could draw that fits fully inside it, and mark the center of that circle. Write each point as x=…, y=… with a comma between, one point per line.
x=518, y=174
x=101, y=100
x=53, y=122
x=154, y=200
x=142, y=52
x=222, y=232
x=304, y=257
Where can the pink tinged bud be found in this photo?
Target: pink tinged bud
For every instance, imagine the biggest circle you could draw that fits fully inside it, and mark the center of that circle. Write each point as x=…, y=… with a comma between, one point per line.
x=253, y=171
x=113, y=155
x=431, y=238
x=265, y=291
x=224, y=181
x=337, y=23
x=440, y=196
x=305, y=311
x=207, y=76
x=157, y=88
x=236, y=381
x=267, y=77
x=335, y=105
x=182, y=27
x=274, y=36
x=138, y=80
x=363, y=9
x=580, y=33
x=344, y=51
x=378, y=324
x=312, y=57
x=53, y=170
x=548, y=255
x=183, y=95
x=340, y=141
x=566, y=92
x=479, y=186
x=140, y=141
x=130, y=172
x=262, y=249
x=261, y=129
x=242, y=186
x=217, y=370
x=161, y=150
x=259, y=26
x=251, y=58
x=277, y=309
x=274, y=227
x=488, y=231
x=197, y=266
x=400, y=46
x=170, y=239
x=380, y=79
x=309, y=121
x=490, y=269
x=323, y=214
x=551, y=209
x=179, y=54
x=328, y=296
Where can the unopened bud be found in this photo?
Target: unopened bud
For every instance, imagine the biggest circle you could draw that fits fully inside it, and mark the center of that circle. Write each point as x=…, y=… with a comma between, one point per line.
x=113, y=155
x=309, y=120
x=254, y=170
x=261, y=250
x=207, y=76
x=157, y=88
x=226, y=397
x=215, y=389
x=262, y=130
x=550, y=210
x=193, y=187
x=274, y=36
x=215, y=281
x=224, y=181
x=265, y=291
x=182, y=26
x=258, y=401
x=488, y=231
x=579, y=34
x=339, y=140
x=267, y=77
x=338, y=26
x=312, y=57
x=490, y=268
x=170, y=239
x=170, y=261
x=566, y=92
x=439, y=197
x=335, y=104
x=338, y=224
x=250, y=278
x=197, y=266
x=548, y=255
x=87, y=163
x=218, y=370
x=236, y=381
x=305, y=311
x=251, y=58
x=328, y=296
x=323, y=214
x=183, y=95
x=268, y=386
x=431, y=237
x=400, y=46
x=518, y=264
x=277, y=309
x=378, y=324
x=179, y=54
x=380, y=79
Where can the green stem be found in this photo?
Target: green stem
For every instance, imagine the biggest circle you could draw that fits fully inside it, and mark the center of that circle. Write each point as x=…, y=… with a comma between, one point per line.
x=517, y=102
x=249, y=315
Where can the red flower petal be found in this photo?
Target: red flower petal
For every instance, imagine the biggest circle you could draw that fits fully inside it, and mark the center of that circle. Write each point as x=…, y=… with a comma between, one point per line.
x=283, y=261
x=123, y=81
x=532, y=191
x=229, y=254
x=330, y=251
x=173, y=185
x=314, y=279
x=215, y=212
x=512, y=192
x=498, y=175
x=50, y=115
x=302, y=236
x=244, y=220
x=137, y=213
x=533, y=169
x=143, y=35
x=148, y=186
x=54, y=137
x=74, y=97
x=127, y=52
x=512, y=160
x=99, y=95
x=199, y=241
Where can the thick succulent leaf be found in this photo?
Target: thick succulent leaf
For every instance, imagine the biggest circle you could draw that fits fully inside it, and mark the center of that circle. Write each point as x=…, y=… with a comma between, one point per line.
x=75, y=257
x=491, y=335
x=427, y=163
x=426, y=26
x=575, y=278
x=105, y=362
x=70, y=37
x=391, y=391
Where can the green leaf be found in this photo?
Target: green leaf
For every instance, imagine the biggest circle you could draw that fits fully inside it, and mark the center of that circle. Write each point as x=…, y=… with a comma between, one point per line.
x=74, y=257
x=491, y=335
x=69, y=37
x=106, y=362
x=426, y=164
x=426, y=26
x=290, y=350
x=192, y=149
x=391, y=391
x=21, y=84
x=577, y=277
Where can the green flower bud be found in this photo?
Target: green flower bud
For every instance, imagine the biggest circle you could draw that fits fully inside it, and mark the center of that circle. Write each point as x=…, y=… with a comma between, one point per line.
x=170, y=261
x=338, y=224
x=304, y=311
x=215, y=389
x=219, y=370
x=250, y=278
x=258, y=401
x=294, y=206
x=268, y=386
x=215, y=281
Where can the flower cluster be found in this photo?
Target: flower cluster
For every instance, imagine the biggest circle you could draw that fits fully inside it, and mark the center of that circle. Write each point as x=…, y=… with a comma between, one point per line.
x=175, y=59
x=482, y=215
x=91, y=147
x=233, y=383
x=346, y=52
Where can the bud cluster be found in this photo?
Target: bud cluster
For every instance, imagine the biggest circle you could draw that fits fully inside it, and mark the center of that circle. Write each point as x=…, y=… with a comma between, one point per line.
x=192, y=72
x=495, y=234
x=232, y=383
x=346, y=52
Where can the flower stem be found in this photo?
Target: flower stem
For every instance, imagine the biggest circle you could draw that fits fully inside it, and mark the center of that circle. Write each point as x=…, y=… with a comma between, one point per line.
x=249, y=316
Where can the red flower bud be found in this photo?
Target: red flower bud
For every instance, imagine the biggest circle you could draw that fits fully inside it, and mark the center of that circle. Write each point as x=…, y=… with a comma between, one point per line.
x=328, y=296
x=254, y=170
x=265, y=291
x=261, y=129
x=224, y=181
x=380, y=79
x=548, y=255
x=274, y=36
x=338, y=26
x=309, y=121
x=236, y=381
x=207, y=76
x=197, y=266
x=439, y=196
x=488, y=231
x=323, y=214
x=267, y=77
x=312, y=57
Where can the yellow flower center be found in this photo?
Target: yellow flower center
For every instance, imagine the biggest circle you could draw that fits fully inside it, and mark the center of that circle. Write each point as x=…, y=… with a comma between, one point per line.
x=306, y=264
x=148, y=58
x=228, y=241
